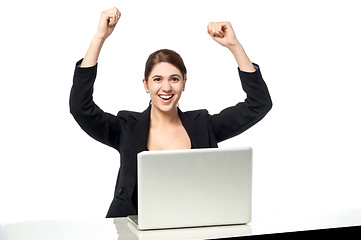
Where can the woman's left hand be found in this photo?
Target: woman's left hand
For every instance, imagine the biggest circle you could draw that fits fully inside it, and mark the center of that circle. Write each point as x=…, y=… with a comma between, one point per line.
x=222, y=33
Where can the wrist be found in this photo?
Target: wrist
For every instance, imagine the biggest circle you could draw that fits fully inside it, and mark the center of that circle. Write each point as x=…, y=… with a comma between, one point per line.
x=235, y=47
x=241, y=57
x=99, y=37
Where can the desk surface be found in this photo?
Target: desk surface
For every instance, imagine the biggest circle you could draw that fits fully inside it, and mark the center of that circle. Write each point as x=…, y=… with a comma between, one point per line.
x=120, y=228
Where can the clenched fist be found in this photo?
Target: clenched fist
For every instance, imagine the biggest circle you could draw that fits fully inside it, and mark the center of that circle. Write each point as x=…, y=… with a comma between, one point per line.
x=108, y=21
x=222, y=33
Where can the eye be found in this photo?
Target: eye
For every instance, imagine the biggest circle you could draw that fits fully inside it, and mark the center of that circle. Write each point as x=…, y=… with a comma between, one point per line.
x=174, y=79
x=157, y=79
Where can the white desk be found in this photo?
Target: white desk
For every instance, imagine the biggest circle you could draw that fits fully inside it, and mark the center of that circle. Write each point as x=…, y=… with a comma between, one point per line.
x=120, y=228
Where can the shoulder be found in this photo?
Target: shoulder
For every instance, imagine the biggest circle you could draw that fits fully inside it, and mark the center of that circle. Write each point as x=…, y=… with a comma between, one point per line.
x=125, y=115
x=194, y=114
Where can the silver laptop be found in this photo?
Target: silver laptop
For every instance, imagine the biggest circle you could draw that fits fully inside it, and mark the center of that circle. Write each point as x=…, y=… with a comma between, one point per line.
x=193, y=188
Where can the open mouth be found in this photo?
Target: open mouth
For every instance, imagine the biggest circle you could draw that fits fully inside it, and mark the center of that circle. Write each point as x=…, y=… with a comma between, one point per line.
x=166, y=98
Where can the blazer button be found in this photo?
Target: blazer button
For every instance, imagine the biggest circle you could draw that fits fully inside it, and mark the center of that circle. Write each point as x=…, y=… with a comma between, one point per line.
x=120, y=191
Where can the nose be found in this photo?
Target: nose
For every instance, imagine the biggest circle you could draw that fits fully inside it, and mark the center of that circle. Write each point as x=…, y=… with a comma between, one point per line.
x=166, y=86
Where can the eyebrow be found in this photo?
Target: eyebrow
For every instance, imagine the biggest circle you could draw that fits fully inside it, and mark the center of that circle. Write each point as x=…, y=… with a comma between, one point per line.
x=169, y=76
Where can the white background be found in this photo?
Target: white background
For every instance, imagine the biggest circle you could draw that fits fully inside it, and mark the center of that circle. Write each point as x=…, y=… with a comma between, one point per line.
x=306, y=150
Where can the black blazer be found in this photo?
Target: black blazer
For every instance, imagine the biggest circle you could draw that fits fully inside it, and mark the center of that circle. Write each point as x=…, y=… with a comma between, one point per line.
x=127, y=132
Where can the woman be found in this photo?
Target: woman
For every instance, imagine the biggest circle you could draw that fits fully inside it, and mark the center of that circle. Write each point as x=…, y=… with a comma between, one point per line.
x=162, y=125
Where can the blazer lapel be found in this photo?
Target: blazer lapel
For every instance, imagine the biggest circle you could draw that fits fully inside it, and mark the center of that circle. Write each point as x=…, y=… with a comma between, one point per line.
x=140, y=129
x=191, y=122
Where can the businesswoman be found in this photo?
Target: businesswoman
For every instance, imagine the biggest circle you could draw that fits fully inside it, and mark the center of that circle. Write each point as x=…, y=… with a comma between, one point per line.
x=162, y=125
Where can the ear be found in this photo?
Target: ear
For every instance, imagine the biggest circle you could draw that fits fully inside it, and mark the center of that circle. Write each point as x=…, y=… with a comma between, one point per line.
x=184, y=83
x=145, y=83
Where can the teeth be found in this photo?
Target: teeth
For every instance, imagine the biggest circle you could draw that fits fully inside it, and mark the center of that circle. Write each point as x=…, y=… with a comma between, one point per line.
x=166, y=97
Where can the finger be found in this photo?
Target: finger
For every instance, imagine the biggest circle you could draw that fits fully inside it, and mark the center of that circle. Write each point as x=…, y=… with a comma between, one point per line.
x=113, y=18
x=108, y=16
x=214, y=29
x=112, y=15
x=209, y=28
x=219, y=30
x=227, y=27
x=117, y=13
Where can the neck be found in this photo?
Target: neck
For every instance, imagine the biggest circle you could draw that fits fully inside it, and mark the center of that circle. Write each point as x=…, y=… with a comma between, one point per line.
x=158, y=117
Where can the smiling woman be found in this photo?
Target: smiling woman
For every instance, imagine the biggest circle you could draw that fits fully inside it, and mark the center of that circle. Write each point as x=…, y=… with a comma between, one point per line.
x=165, y=72
x=162, y=125
x=159, y=61
x=166, y=84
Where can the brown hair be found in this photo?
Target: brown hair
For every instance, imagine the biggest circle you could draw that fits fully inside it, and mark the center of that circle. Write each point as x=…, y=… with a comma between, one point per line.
x=164, y=55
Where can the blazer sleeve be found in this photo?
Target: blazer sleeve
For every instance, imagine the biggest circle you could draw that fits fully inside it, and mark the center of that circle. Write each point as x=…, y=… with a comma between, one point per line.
x=236, y=119
x=101, y=126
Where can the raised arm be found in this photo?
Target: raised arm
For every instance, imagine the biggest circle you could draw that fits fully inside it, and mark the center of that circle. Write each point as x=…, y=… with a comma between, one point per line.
x=235, y=120
x=100, y=125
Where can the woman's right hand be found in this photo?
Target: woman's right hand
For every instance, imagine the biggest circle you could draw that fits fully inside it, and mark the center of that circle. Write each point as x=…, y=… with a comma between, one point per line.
x=107, y=23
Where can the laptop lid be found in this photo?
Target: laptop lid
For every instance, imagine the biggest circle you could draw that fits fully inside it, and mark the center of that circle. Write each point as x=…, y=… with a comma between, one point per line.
x=197, y=187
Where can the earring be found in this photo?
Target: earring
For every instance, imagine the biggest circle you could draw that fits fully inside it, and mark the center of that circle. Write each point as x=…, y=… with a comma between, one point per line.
x=146, y=91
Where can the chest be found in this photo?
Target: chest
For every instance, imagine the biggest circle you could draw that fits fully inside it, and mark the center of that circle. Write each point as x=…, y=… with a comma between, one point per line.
x=168, y=138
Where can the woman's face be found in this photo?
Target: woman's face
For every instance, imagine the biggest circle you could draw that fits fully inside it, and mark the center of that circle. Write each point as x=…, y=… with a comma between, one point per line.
x=165, y=85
